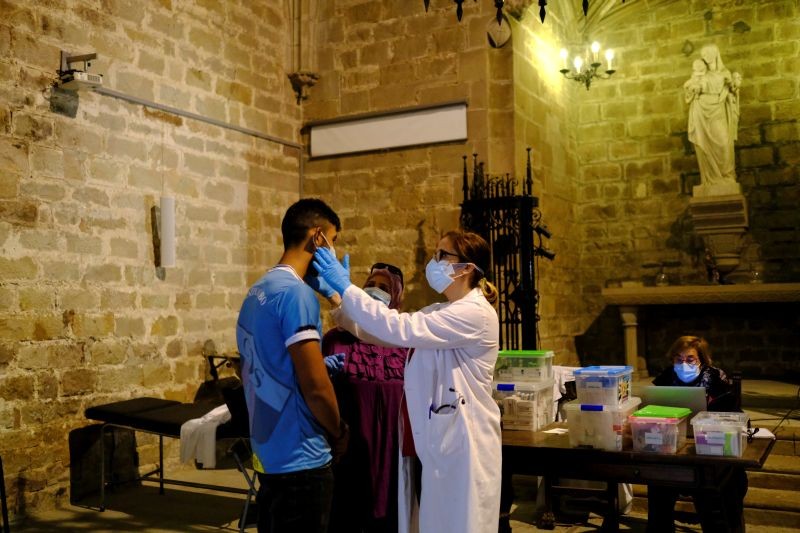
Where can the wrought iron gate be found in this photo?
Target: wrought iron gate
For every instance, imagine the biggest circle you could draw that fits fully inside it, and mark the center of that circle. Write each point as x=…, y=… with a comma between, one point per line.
x=507, y=220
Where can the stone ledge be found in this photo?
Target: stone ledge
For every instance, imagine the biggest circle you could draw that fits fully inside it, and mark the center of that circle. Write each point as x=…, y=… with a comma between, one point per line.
x=703, y=294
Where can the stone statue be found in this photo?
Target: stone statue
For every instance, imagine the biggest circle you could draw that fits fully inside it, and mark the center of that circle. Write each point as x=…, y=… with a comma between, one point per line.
x=713, y=97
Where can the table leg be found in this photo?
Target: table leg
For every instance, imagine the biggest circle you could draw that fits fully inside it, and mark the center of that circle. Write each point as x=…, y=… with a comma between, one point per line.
x=611, y=519
x=547, y=519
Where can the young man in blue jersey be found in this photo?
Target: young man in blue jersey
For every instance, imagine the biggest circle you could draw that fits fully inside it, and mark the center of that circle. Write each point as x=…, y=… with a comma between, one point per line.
x=295, y=426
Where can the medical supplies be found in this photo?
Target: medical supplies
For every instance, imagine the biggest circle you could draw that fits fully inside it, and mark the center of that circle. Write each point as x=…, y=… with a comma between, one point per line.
x=525, y=406
x=720, y=433
x=600, y=426
x=659, y=429
x=514, y=366
x=603, y=385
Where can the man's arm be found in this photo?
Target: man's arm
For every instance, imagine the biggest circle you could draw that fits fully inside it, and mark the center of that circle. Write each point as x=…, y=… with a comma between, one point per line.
x=317, y=389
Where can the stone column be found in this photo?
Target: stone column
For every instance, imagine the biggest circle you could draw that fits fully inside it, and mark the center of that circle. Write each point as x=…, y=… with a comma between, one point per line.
x=630, y=323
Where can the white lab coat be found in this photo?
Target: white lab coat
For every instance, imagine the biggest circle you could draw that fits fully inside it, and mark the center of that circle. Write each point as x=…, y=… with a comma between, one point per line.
x=455, y=349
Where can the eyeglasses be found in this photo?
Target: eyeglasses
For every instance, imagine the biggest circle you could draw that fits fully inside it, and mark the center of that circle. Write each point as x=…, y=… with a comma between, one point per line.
x=678, y=360
x=391, y=268
x=439, y=254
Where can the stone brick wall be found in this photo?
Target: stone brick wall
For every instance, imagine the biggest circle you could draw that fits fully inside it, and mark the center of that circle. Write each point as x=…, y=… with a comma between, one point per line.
x=545, y=122
x=636, y=163
x=85, y=317
x=384, y=55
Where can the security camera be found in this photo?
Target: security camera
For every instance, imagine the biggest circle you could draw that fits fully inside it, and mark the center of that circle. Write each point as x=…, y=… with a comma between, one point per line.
x=75, y=79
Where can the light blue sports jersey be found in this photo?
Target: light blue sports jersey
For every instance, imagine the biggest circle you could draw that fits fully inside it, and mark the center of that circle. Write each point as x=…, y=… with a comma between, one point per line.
x=278, y=311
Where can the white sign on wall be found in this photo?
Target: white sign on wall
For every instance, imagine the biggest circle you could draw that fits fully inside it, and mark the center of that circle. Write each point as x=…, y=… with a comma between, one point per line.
x=412, y=127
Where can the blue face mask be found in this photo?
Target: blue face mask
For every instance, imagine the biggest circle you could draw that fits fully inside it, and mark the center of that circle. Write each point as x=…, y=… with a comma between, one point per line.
x=686, y=372
x=379, y=294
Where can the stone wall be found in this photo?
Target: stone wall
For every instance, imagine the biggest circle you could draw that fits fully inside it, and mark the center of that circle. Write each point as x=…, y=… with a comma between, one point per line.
x=636, y=163
x=385, y=55
x=545, y=121
x=85, y=317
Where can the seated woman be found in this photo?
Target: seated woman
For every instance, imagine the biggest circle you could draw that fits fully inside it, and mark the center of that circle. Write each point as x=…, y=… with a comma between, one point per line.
x=691, y=366
x=369, y=389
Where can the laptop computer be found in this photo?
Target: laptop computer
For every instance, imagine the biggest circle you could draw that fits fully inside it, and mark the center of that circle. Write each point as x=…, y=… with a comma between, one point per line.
x=693, y=398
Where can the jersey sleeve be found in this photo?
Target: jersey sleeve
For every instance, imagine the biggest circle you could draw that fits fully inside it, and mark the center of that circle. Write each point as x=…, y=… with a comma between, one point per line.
x=299, y=315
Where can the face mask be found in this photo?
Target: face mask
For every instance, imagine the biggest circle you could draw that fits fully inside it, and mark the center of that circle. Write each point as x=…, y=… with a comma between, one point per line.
x=379, y=294
x=439, y=274
x=686, y=372
x=330, y=246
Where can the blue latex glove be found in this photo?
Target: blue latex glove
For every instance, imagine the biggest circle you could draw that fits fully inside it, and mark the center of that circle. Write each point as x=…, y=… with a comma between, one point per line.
x=334, y=363
x=319, y=285
x=335, y=274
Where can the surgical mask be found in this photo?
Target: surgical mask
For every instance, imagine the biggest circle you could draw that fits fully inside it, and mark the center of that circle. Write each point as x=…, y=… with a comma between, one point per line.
x=439, y=274
x=686, y=372
x=379, y=294
x=330, y=246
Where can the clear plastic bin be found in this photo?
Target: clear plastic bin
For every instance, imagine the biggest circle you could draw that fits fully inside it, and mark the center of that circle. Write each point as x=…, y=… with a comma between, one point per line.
x=525, y=406
x=600, y=426
x=603, y=385
x=514, y=366
x=659, y=429
x=720, y=433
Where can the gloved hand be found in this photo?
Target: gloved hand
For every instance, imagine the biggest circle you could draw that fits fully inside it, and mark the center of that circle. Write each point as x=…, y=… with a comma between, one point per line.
x=335, y=274
x=319, y=285
x=334, y=363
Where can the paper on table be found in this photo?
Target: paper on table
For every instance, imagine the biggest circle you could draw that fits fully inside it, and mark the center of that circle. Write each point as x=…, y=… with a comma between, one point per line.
x=763, y=433
x=557, y=431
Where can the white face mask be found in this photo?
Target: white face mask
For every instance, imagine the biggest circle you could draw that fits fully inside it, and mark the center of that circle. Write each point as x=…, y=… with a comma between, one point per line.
x=379, y=294
x=439, y=274
x=330, y=246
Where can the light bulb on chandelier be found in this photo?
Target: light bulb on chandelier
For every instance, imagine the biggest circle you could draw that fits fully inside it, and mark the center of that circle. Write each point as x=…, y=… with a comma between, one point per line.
x=587, y=65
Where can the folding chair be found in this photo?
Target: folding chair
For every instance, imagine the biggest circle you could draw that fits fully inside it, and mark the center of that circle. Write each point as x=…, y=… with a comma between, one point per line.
x=240, y=450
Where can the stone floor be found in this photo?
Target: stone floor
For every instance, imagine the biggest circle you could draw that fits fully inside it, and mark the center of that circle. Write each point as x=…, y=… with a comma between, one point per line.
x=181, y=509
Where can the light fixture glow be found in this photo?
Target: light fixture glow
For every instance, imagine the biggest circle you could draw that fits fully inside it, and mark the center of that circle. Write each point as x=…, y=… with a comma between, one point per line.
x=586, y=71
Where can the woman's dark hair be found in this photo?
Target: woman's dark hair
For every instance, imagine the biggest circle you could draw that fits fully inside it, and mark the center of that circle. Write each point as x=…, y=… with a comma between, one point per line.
x=302, y=216
x=472, y=248
x=689, y=341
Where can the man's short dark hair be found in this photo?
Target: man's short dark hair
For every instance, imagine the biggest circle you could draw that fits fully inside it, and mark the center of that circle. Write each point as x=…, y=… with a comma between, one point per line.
x=303, y=215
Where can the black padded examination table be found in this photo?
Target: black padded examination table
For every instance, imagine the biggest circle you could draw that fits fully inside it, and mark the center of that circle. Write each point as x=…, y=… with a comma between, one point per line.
x=165, y=418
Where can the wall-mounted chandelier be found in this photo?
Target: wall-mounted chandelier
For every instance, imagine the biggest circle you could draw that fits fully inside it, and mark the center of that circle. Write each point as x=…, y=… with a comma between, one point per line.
x=586, y=66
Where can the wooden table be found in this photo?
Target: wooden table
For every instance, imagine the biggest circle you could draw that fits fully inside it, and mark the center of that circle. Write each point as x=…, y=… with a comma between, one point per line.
x=550, y=455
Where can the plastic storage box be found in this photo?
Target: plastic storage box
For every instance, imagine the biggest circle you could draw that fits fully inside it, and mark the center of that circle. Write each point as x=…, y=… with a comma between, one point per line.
x=514, y=366
x=659, y=429
x=526, y=406
x=720, y=433
x=603, y=385
x=600, y=426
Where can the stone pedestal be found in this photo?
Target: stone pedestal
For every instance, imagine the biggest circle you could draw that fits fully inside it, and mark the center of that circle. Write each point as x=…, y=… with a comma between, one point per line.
x=722, y=222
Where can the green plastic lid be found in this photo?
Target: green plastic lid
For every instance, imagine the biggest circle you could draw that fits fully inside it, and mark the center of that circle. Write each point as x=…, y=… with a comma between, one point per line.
x=526, y=353
x=662, y=411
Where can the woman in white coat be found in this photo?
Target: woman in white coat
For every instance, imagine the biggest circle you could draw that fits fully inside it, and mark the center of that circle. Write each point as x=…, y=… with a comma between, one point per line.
x=454, y=421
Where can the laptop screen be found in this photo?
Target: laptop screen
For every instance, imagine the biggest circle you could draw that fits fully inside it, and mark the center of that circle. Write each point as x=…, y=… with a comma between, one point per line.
x=693, y=398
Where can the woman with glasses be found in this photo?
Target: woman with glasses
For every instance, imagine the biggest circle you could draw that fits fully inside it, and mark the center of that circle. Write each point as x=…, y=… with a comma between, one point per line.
x=691, y=366
x=369, y=389
x=449, y=419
